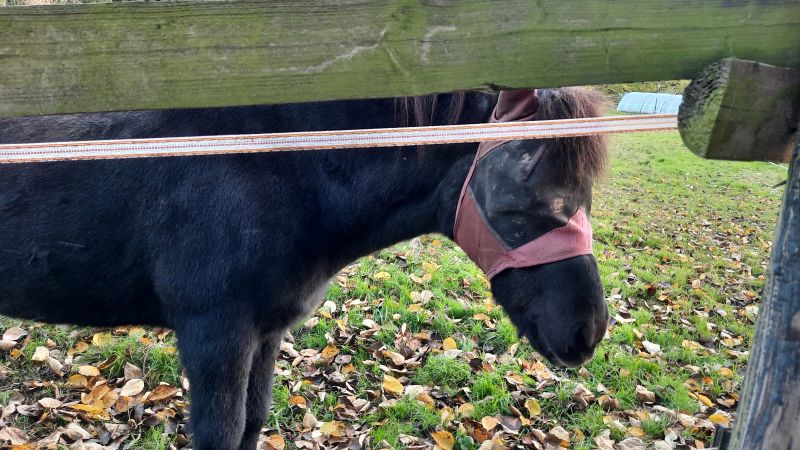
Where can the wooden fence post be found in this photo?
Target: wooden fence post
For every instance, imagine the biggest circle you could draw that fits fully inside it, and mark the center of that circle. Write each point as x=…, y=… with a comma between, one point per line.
x=769, y=412
x=749, y=111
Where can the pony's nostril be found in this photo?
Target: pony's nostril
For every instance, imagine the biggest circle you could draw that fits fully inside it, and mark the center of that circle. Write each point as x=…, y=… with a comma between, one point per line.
x=585, y=338
x=582, y=340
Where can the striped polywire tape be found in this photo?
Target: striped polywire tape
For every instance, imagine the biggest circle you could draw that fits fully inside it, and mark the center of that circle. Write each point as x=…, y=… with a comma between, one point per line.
x=325, y=140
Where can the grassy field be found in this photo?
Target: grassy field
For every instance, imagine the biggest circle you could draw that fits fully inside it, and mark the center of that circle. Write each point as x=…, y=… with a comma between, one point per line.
x=409, y=350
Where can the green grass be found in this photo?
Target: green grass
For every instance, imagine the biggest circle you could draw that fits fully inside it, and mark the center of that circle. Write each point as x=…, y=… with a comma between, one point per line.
x=406, y=417
x=448, y=373
x=663, y=219
x=489, y=395
x=154, y=439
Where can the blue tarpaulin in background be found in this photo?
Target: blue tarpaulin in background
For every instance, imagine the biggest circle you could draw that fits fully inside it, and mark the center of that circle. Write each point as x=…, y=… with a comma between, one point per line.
x=650, y=103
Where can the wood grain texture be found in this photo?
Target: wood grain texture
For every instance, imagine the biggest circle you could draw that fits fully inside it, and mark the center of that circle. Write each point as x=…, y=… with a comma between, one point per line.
x=121, y=56
x=742, y=110
x=769, y=414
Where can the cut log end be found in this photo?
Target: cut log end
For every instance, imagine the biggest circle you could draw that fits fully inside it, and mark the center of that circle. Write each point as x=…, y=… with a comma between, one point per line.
x=702, y=100
x=741, y=110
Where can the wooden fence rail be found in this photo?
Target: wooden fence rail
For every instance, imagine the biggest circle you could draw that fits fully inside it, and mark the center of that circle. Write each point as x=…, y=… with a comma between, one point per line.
x=123, y=56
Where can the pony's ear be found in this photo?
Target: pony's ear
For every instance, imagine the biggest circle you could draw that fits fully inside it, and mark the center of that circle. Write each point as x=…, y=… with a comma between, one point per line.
x=515, y=104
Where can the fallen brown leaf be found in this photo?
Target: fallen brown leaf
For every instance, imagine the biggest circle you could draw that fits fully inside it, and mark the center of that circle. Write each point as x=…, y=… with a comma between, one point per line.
x=132, y=387
x=275, y=442
x=88, y=371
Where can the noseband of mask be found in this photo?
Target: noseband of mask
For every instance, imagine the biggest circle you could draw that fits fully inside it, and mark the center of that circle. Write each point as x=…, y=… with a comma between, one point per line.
x=473, y=232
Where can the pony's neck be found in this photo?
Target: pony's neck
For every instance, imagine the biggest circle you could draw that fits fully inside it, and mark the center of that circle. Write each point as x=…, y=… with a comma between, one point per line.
x=394, y=195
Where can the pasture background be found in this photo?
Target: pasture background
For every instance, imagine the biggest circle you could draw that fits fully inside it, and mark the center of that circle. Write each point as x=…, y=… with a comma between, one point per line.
x=410, y=349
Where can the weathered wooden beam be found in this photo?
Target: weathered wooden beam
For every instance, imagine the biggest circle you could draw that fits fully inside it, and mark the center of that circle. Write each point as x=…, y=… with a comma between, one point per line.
x=120, y=56
x=741, y=110
x=769, y=413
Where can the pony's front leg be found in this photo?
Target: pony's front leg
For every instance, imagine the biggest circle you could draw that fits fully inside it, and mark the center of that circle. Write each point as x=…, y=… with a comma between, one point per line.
x=259, y=389
x=217, y=352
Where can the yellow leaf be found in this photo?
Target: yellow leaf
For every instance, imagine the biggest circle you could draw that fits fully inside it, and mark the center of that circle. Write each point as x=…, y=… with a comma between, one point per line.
x=704, y=400
x=414, y=308
x=79, y=347
x=559, y=435
x=136, y=331
x=691, y=345
x=636, y=431
x=94, y=412
x=449, y=344
x=446, y=414
x=726, y=372
x=275, y=442
x=533, y=407
x=397, y=358
x=381, y=276
x=170, y=350
x=719, y=419
x=15, y=353
x=393, y=386
x=102, y=338
x=416, y=279
x=88, y=371
x=466, y=409
x=489, y=422
x=28, y=446
x=444, y=439
x=424, y=397
x=336, y=429
x=77, y=381
x=483, y=317
x=430, y=267
x=330, y=352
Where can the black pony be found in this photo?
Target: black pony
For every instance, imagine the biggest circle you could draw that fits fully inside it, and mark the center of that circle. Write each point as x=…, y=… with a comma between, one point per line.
x=231, y=250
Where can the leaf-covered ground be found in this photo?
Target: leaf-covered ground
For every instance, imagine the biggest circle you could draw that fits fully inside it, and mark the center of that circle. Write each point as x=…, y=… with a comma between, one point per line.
x=409, y=351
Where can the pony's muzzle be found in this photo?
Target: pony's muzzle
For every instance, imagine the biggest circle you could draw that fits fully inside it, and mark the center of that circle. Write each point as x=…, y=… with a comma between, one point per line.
x=583, y=341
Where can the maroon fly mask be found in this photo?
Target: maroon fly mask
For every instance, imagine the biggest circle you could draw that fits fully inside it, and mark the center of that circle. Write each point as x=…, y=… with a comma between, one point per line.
x=566, y=231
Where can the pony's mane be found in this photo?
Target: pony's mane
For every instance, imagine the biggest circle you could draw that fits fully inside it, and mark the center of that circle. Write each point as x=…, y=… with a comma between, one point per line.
x=421, y=110
x=579, y=159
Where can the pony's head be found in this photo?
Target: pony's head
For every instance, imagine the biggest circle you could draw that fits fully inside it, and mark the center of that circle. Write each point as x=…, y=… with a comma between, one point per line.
x=523, y=217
